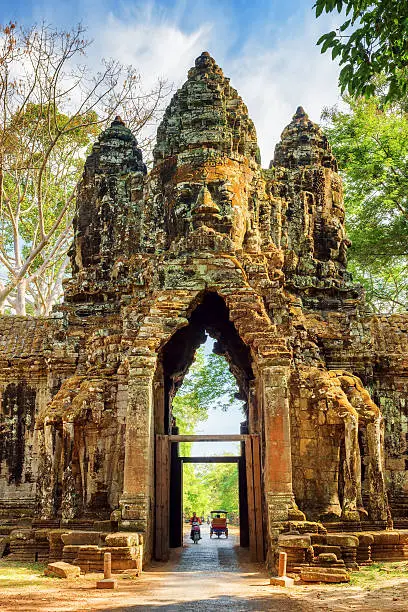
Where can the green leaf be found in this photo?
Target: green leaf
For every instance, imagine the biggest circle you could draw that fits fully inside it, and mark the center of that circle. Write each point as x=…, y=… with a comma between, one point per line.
x=370, y=141
x=345, y=25
x=379, y=38
x=326, y=45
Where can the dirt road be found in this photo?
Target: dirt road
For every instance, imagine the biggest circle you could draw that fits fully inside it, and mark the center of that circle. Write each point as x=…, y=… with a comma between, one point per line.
x=214, y=575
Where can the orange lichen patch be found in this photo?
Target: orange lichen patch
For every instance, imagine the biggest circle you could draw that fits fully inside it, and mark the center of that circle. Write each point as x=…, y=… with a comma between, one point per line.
x=76, y=396
x=342, y=391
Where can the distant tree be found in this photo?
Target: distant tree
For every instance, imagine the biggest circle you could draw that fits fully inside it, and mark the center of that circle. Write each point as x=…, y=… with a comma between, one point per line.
x=210, y=487
x=208, y=384
x=370, y=141
x=372, y=41
x=195, y=492
x=221, y=483
x=52, y=106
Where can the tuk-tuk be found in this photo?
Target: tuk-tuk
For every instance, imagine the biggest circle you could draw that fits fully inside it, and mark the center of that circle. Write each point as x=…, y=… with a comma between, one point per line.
x=219, y=523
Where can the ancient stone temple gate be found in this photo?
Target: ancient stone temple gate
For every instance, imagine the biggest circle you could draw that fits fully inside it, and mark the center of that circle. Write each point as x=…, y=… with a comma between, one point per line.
x=207, y=241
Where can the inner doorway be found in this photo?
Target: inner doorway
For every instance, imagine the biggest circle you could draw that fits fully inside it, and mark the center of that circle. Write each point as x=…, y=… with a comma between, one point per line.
x=211, y=490
x=169, y=491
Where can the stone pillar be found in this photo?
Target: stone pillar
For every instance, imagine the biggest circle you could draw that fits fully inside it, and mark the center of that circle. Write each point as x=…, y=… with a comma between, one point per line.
x=49, y=466
x=107, y=565
x=283, y=558
x=72, y=503
x=136, y=502
x=377, y=504
x=351, y=473
x=277, y=453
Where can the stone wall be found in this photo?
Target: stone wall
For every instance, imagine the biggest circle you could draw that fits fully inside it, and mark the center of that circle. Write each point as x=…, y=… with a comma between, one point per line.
x=28, y=348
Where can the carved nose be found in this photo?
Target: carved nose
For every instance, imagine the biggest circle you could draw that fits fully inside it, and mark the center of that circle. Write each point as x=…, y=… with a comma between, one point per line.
x=205, y=203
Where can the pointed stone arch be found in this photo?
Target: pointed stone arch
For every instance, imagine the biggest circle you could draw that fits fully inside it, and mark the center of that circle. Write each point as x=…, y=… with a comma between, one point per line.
x=168, y=314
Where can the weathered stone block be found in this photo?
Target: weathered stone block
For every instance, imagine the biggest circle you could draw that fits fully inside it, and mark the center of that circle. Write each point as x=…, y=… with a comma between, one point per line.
x=294, y=541
x=73, y=538
x=122, y=539
x=320, y=574
x=349, y=541
x=107, y=583
x=62, y=570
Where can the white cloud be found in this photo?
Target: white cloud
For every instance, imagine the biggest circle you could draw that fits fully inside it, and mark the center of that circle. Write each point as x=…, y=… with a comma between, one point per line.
x=151, y=42
x=275, y=79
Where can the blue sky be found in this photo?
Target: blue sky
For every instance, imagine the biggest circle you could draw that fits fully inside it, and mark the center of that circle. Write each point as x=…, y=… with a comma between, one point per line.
x=267, y=47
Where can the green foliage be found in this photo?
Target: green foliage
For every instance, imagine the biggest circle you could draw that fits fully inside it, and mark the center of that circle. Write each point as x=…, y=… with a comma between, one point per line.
x=195, y=494
x=221, y=483
x=210, y=487
x=370, y=141
x=21, y=574
x=374, y=576
x=41, y=161
x=373, y=40
x=208, y=384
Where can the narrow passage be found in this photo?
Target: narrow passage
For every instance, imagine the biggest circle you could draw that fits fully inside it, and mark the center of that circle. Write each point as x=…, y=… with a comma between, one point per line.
x=210, y=555
x=213, y=575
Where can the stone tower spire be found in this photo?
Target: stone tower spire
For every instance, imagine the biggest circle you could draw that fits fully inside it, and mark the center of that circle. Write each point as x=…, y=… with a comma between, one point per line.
x=106, y=217
x=315, y=257
x=303, y=144
x=206, y=112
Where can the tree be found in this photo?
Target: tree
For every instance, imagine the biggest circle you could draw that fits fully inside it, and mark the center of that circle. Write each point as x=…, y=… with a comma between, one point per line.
x=221, y=484
x=208, y=384
x=52, y=107
x=370, y=141
x=210, y=487
x=195, y=491
x=372, y=41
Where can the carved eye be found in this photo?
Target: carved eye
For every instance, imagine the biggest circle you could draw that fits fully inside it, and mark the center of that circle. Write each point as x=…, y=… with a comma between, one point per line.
x=225, y=193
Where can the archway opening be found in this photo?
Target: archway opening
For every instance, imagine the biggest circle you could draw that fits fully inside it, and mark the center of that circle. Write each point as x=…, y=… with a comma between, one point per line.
x=208, y=403
x=208, y=325
x=210, y=317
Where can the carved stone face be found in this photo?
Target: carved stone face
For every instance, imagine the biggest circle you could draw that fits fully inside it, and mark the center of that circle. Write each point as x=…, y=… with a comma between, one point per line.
x=212, y=198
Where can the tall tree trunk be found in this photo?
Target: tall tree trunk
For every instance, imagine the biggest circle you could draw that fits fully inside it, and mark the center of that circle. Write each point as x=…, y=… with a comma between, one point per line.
x=21, y=297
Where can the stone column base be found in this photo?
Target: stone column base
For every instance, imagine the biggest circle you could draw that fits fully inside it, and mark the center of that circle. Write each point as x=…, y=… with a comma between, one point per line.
x=133, y=513
x=282, y=507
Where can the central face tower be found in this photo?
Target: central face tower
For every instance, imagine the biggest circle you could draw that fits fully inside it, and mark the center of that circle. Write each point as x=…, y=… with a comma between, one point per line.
x=205, y=161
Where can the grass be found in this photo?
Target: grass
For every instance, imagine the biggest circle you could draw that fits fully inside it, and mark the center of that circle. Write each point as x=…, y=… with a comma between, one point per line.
x=18, y=574
x=372, y=576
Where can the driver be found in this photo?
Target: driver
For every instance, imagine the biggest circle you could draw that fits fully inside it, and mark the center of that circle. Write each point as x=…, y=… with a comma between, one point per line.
x=195, y=519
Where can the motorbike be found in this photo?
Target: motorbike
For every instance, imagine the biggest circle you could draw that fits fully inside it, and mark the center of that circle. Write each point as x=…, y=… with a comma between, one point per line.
x=195, y=532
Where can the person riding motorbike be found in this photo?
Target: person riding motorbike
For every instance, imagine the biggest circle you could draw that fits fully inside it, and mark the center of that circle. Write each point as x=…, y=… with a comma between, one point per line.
x=194, y=521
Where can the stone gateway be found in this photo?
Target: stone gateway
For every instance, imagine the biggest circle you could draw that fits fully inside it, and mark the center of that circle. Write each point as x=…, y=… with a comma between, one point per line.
x=207, y=241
